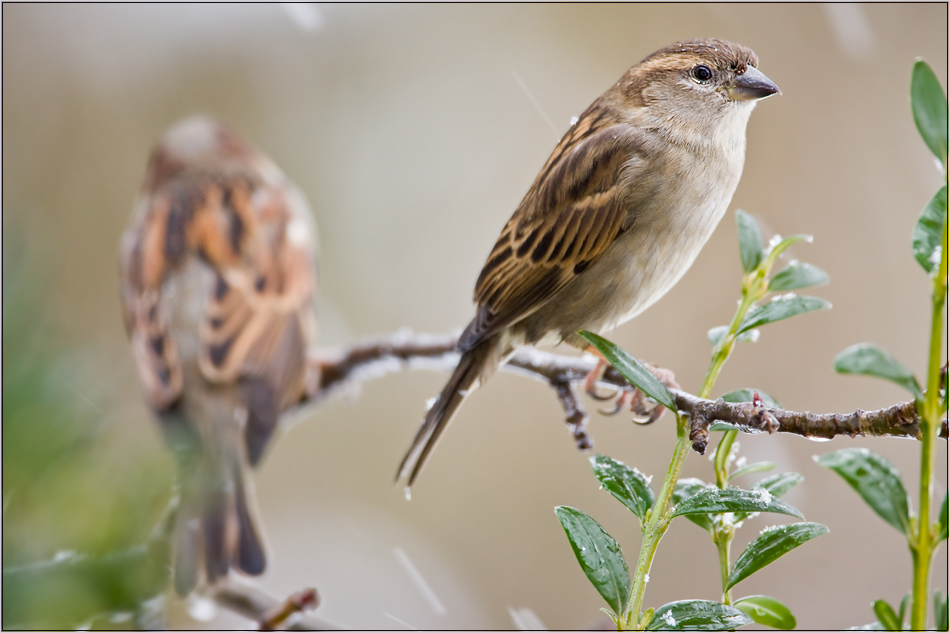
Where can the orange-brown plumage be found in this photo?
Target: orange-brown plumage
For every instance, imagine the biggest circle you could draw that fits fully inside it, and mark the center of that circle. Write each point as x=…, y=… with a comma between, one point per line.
x=217, y=285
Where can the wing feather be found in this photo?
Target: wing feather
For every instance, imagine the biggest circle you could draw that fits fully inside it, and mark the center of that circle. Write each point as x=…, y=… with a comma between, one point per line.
x=569, y=218
x=246, y=226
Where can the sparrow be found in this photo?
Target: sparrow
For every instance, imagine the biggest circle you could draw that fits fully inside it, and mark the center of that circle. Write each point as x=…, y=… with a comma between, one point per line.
x=217, y=284
x=616, y=216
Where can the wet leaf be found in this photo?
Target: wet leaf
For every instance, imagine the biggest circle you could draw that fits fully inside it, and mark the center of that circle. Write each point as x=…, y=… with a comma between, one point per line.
x=686, y=488
x=750, y=241
x=928, y=231
x=599, y=556
x=772, y=544
x=628, y=485
x=941, y=530
x=781, y=307
x=886, y=616
x=697, y=615
x=929, y=104
x=757, y=467
x=785, y=244
x=632, y=369
x=767, y=612
x=940, y=611
x=875, y=479
x=716, y=334
x=797, y=275
x=905, y=602
x=714, y=500
x=777, y=485
x=867, y=359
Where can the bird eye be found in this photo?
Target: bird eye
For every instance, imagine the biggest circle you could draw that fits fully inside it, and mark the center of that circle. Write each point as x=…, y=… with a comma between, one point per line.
x=702, y=73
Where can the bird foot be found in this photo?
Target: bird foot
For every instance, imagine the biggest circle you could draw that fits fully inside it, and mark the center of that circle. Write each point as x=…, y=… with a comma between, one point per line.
x=630, y=397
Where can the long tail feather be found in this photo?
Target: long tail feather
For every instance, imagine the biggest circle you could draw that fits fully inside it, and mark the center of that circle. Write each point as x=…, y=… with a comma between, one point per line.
x=251, y=558
x=470, y=369
x=187, y=541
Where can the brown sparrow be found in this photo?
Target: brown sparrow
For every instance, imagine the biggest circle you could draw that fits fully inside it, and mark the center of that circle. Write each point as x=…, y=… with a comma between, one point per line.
x=617, y=215
x=217, y=285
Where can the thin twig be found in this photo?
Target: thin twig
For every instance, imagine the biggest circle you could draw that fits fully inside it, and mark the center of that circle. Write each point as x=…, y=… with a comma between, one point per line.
x=422, y=351
x=270, y=613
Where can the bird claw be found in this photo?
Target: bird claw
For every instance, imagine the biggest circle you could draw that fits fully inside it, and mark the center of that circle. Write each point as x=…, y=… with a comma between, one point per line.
x=622, y=401
x=590, y=382
x=631, y=397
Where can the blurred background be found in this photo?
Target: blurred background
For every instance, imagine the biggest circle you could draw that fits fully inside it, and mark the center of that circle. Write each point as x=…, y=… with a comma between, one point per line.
x=415, y=130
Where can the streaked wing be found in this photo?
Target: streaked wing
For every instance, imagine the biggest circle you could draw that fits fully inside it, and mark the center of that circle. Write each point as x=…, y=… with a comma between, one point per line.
x=254, y=234
x=570, y=217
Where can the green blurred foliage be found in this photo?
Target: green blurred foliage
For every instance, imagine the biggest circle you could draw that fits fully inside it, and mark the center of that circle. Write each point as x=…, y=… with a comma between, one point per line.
x=79, y=499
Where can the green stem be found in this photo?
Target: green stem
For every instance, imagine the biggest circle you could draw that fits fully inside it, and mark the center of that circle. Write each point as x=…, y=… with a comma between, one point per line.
x=752, y=289
x=723, y=541
x=923, y=546
x=657, y=522
x=721, y=464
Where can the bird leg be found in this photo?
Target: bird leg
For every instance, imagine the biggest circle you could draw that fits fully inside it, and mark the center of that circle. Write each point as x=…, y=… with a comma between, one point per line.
x=595, y=374
x=630, y=396
x=648, y=415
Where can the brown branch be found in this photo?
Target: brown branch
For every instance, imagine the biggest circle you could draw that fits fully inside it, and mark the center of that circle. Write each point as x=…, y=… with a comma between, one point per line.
x=405, y=350
x=269, y=613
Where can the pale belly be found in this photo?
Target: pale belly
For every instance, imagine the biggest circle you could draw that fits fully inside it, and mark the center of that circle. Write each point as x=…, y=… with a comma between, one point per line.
x=631, y=276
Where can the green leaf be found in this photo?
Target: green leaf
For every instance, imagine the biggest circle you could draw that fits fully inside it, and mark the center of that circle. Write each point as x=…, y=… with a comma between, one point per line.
x=716, y=334
x=748, y=395
x=867, y=359
x=905, y=602
x=632, y=369
x=724, y=426
x=714, y=500
x=940, y=611
x=781, y=307
x=875, y=479
x=599, y=556
x=886, y=616
x=784, y=244
x=929, y=104
x=777, y=485
x=797, y=275
x=686, y=488
x=697, y=615
x=928, y=230
x=750, y=241
x=941, y=527
x=757, y=467
x=646, y=618
x=628, y=485
x=767, y=611
x=772, y=544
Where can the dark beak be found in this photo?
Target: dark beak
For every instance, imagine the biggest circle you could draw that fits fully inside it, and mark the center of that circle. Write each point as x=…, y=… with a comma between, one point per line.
x=752, y=84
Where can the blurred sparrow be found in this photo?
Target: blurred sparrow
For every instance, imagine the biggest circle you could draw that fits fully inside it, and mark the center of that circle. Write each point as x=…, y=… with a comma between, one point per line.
x=617, y=215
x=217, y=286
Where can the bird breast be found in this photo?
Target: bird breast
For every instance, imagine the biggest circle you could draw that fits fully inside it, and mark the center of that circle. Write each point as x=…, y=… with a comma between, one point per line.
x=666, y=232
